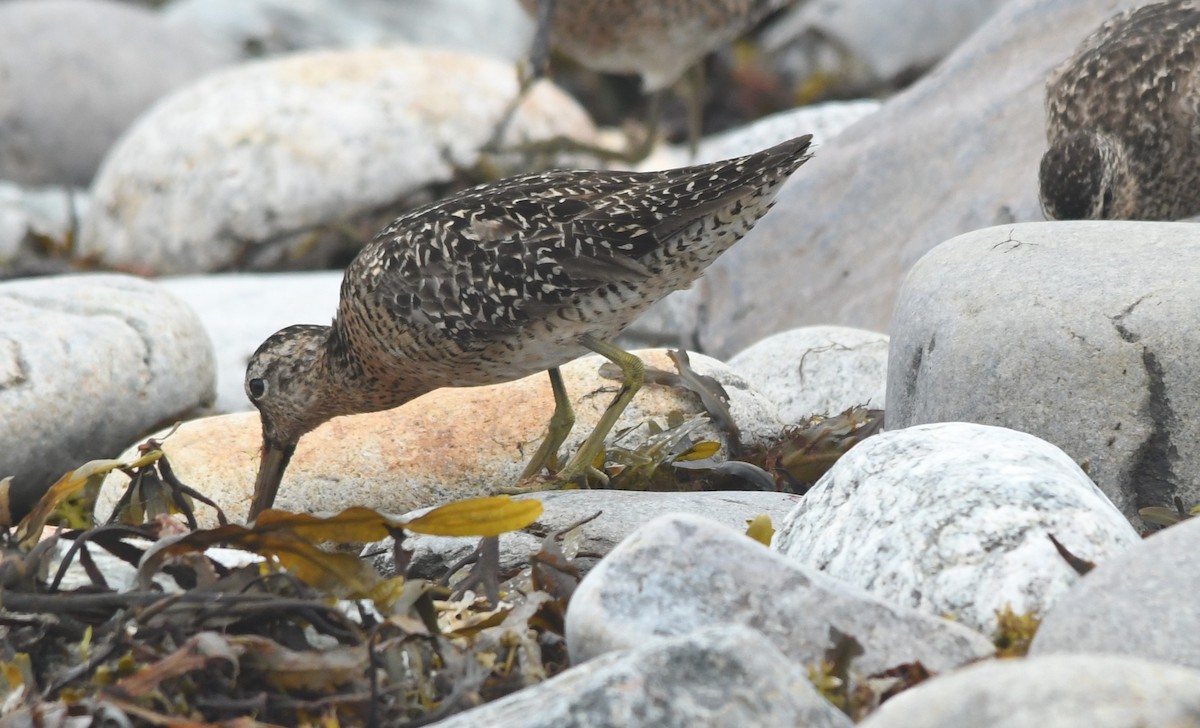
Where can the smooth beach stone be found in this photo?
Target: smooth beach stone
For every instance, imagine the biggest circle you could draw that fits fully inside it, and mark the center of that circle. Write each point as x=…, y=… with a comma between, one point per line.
x=822, y=370
x=681, y=572
x=75, y=73
x=1082, y=333
x=1097, y=691
x=721, y=676
x=1140, y=603
x=88, y=362
x=249, y=166
x=240, y=310
x=621, y=512
x=33, y=219
x=954, y=519
x=823, y=121
x=450, y=444
x=956, y=151
x=868, y=44
x=269, y=27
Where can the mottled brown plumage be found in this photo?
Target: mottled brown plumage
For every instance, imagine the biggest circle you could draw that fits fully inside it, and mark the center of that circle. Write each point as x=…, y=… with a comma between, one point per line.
x=657, y=40
x=501, y=281
x=1123, y=120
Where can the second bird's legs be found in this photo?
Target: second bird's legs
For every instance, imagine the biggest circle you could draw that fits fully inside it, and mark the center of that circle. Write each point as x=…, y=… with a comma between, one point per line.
x=582, y=464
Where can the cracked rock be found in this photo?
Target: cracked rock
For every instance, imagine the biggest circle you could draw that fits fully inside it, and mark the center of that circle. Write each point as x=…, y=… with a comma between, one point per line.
x=1082, y=333
x=954, y=519
x=89, y=363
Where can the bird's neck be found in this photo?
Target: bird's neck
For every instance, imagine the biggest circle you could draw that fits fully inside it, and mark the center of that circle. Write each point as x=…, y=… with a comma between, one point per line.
x=358, y=386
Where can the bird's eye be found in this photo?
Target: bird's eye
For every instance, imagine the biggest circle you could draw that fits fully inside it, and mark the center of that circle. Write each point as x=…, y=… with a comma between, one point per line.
x=256, y=387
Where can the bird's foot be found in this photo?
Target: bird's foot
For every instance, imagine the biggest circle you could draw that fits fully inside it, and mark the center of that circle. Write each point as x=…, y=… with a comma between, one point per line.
x=484, y=576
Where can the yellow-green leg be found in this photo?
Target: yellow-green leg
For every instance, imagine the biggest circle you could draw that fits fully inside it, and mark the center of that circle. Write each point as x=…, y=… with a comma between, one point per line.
x=561, y=423
x=580, y=467
x=633, y=373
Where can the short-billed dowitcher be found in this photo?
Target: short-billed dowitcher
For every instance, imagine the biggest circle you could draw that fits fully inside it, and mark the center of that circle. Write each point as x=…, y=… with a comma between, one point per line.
x=504, y=280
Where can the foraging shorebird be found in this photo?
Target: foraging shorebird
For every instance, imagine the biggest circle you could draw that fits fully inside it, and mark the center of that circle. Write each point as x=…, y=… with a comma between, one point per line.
x=502, y=281
x=1123, y=120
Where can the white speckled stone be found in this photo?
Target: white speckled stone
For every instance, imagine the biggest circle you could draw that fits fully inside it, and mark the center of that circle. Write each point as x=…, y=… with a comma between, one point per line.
x=721, y=676
x=1140, y=603
x=680, y=573
x=1082, y=333
x=245, y=166
x=87, y=364
x=817, y=370
x=952, y=519
x=1097, y=691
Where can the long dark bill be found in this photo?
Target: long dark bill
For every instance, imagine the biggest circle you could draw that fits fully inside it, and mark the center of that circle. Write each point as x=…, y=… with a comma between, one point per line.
x=270, y=472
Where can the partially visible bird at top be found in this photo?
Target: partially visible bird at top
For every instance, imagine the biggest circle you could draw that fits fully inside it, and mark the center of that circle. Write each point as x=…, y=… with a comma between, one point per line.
x=658, y=40
x=1123, y=120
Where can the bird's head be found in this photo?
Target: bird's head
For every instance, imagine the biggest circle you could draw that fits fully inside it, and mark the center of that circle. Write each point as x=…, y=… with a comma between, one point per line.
x=1085, y=176
x=283, y=382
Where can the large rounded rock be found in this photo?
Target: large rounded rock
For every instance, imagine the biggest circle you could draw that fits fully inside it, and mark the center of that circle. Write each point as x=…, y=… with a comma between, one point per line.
x=855, y=45
x=957, y=151
x=1141, y=603
x=1097, y=691
x=1084, y=334
x=449, y=444
x=681, y=572
x=722, y=676
x=75, y=73
x=954, y=519
x=88, y=363
x=252, y=165
x=241, y=311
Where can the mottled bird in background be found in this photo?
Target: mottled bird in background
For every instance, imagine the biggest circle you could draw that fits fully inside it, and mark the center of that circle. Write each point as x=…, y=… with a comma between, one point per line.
x=1123, y=120
x=658, y=40
x=504, y=280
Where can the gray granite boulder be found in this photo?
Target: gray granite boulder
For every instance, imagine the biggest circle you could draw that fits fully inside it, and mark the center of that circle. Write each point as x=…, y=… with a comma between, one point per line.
x=954, y=519
x=817, y=370
x=721, y=676
x=241, y=310
x=1096, y=691
x=855, y=45
x=621, y=512
x=957, y=151
x=1080, y=333
x=1141, y=603
x=680, y=573
x=88, y=363
x=75, y=73
x=268, y=27
x=36, y=227
x=294, y=160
